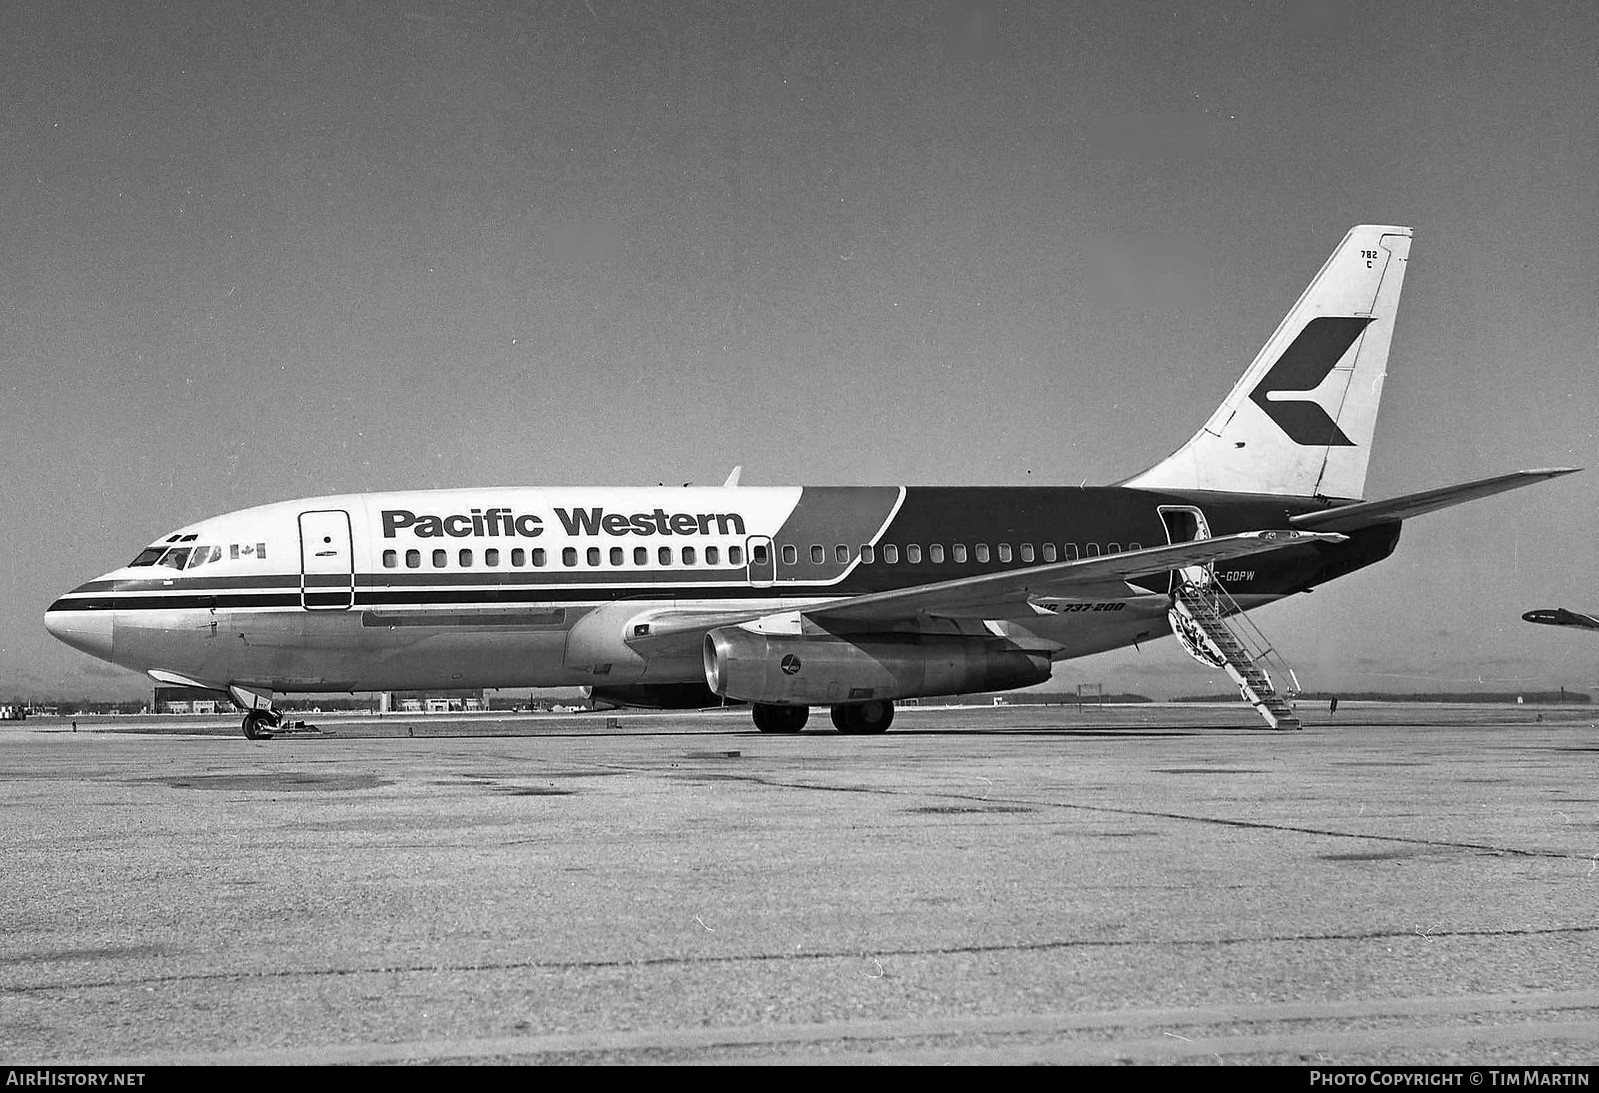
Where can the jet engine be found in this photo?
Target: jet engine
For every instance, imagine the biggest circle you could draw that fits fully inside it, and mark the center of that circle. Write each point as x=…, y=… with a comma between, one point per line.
x=831, y=670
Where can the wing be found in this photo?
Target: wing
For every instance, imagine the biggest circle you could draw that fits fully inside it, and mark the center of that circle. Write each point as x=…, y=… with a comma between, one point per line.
x=996, y=594
x=1367, y=514
x=1559, y=616
x=991, y=595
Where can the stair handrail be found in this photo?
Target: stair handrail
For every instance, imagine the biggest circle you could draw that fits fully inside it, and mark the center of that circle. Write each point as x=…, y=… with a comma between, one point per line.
x=1233, y=615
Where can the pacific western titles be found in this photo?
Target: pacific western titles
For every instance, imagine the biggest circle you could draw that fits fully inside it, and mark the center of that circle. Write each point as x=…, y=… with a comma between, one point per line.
x=496, y=522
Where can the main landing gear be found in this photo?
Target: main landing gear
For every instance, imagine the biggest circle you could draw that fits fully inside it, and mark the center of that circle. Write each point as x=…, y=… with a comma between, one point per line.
x=855, y=719
x=862, y=718
x=781, y=718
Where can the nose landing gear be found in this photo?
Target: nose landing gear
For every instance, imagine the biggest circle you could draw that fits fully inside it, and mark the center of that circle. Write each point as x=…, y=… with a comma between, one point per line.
x=257, y=722
x=259, y=716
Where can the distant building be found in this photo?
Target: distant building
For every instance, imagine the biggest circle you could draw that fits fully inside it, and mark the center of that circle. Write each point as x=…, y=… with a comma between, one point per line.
x=463, y=701
x=190, y=700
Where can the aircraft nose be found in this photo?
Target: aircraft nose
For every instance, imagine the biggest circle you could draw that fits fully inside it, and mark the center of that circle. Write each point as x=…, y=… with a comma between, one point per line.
x=90, y=631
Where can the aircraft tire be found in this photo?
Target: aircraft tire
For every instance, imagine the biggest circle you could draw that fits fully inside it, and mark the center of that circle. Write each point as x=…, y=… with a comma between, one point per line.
x=255, y=723
x=780, y=718
x=863, y=718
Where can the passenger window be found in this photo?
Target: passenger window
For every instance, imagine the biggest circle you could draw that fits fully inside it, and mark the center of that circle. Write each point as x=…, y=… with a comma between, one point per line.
x=1049, y=552
x=713, y=556
x=735, y=555
x=441, y=558
x=1093, y=550
x=1027, y=552
x=868, y=555
x=981, y=552
x=959, y=551
x=688, y=555
x=758, y=554
x=617, y=556
x=818, y=555
x=391, y=559
x=790, y=555
x=841, y=554
x=518, y=557
x=491, y=557
x=593, y=554
x=1134, y=546
x=641, y=555
x=1071, y=552
x=466, y=559
x=538, y=557
x=569, y=555
x=891, y=555
x=413, y=559
x=1112, y=548
x=913, y=553
x=665, y=555
x=1004, y=552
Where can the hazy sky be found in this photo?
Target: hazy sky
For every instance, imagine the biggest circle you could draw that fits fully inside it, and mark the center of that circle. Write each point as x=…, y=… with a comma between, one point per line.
x=256, y=252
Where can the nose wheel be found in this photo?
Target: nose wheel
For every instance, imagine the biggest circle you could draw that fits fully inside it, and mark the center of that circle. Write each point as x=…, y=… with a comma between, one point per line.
x=257, y=722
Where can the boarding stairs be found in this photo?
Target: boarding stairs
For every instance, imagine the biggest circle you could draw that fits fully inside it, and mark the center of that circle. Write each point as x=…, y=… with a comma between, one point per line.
x=1229, y=640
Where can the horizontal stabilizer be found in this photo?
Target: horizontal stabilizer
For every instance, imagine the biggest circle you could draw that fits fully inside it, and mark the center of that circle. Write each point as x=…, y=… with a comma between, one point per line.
x=1367, y=514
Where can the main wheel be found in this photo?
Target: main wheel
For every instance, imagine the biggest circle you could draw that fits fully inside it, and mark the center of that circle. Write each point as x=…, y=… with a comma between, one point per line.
x=781, y=718
x=255, y=725
x=863, y=717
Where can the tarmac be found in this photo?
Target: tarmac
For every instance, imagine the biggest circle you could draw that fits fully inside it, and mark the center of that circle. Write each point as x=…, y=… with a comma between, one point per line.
x=1392, y=885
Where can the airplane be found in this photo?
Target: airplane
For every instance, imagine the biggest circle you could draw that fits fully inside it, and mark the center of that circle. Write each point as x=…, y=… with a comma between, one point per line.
x=788, y=598
x=1559, y=616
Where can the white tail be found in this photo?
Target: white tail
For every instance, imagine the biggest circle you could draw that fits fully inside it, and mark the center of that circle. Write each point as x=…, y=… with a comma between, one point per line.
x=1301, y=419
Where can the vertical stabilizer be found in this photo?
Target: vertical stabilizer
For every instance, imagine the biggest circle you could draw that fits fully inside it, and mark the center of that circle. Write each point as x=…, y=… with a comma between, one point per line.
x=1301, y=419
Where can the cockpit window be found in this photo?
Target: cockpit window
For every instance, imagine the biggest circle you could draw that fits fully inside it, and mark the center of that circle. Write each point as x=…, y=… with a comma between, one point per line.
x=176, y=558
x=204, y=554
x=182, y=556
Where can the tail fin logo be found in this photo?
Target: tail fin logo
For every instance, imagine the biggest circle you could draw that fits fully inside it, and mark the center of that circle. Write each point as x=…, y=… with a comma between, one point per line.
x=1299, y=371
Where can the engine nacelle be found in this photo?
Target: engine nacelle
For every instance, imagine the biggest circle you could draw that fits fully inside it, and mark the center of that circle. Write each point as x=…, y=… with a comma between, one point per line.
x=825, y=671
x=657, y=696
